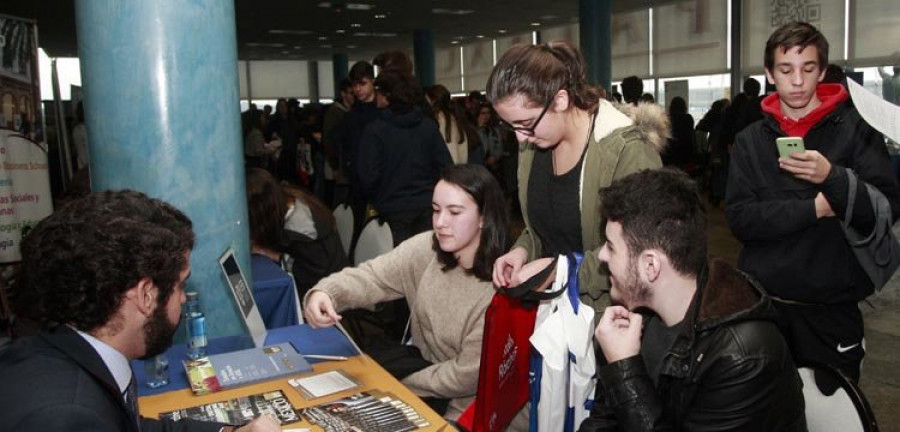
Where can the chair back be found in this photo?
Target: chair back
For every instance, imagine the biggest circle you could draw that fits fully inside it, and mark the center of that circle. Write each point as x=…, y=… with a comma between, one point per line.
x=343, y=217
x=375, y=239
x=845, y=410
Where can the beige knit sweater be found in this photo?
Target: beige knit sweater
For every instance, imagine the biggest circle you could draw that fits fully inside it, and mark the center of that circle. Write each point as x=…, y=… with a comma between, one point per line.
x=447, y=311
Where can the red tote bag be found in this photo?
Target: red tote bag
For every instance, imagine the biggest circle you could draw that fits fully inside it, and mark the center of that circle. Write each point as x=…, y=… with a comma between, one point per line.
x=503, y=376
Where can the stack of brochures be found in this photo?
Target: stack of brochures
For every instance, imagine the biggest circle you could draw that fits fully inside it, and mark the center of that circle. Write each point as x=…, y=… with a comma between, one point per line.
x=240, y=410
x=367, y=411
x=221, y=371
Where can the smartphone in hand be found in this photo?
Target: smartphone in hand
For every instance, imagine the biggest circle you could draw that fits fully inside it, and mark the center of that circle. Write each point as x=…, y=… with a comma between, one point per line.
x=788, y=145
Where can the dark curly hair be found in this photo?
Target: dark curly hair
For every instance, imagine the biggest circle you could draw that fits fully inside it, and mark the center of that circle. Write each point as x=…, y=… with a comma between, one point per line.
x=79, y=262
x=660, y=209
x=481, y=185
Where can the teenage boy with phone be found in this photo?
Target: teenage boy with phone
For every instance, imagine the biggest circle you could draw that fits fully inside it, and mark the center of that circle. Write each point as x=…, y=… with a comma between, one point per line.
x=787, y=211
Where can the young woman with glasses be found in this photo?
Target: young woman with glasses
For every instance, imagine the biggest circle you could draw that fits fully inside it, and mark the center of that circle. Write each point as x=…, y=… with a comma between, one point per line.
x=572, y=143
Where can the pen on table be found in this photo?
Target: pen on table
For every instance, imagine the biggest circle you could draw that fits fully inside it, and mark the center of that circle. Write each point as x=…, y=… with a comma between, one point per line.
x=324, y=357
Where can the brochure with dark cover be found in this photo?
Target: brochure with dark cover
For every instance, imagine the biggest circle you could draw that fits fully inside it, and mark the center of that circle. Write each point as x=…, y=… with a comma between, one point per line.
x=372, y=410
x=240, y=410
x=221, y=371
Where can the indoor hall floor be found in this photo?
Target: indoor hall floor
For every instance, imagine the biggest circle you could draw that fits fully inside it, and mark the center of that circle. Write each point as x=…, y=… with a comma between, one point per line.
x=880, y=379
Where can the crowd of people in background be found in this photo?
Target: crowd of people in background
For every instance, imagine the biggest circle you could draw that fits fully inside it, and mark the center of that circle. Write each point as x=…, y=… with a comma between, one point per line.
x=320, y=147
x=584, y=171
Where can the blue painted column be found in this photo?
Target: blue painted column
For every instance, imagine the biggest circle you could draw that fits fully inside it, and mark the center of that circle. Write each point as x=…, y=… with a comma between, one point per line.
x=312, y=68
x=340, y=67
x=737, y=79
x=423, y=56
x=161, y=98
x=595, y=32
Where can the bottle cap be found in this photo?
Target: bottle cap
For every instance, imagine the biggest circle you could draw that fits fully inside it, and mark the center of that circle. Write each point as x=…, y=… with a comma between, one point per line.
x=191, y=295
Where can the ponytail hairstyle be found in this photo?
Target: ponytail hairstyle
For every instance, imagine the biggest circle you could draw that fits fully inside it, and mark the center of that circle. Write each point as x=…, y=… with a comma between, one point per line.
x=538, y=72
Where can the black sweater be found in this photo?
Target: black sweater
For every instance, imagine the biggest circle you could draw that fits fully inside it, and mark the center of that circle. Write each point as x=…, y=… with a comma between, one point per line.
x=401, y=157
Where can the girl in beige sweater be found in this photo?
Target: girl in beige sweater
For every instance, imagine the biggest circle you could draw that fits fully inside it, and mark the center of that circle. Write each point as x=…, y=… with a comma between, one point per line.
x=445, y=277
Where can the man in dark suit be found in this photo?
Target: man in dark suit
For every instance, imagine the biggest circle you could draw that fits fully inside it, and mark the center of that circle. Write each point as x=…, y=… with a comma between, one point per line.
x=104, y=276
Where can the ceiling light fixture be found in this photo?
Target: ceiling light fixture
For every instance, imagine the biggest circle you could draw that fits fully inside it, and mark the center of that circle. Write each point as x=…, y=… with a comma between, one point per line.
x=380, y=16
x=323, y=38
x=290, y=32
x=360, y=6
x=262, y=44
x=501, y=31
x=340, y=5
x=480, y=36
x=443, y=11
x=535, y=24
x=355, y=25
x=340, y=31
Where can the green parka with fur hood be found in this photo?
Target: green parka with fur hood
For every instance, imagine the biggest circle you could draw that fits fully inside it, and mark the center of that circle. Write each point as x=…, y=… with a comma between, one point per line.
x=626, y=139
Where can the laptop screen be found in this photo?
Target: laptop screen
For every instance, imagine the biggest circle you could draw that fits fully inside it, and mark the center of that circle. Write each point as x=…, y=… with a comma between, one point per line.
x=243, y=296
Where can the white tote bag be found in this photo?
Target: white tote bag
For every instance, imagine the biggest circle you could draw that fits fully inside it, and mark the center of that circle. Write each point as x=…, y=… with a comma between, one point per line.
x=562, y=337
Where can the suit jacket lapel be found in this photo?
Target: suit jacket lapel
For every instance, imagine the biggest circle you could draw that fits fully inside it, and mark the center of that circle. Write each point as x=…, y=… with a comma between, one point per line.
x=81, y=352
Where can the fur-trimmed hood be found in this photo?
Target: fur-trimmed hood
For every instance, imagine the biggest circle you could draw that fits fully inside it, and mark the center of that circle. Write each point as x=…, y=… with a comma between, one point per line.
x=650, y=120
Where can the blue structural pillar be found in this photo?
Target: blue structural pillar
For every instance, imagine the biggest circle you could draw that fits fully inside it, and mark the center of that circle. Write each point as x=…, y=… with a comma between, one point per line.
x=340, y=68
x=161, y=98
x=737, y=79
x=423, y=53
x=313, y=72
x=595, y=32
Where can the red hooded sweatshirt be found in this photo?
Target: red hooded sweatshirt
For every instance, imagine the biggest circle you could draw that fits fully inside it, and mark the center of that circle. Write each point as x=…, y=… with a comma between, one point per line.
x=831, y=96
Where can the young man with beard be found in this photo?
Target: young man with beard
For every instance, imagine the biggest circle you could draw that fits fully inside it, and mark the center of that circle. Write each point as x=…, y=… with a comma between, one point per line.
x=703, y=352
x=105, y=277
x=788, y=211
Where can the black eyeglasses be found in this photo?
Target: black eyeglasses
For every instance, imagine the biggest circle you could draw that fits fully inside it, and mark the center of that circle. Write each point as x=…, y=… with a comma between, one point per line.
x=527, y=131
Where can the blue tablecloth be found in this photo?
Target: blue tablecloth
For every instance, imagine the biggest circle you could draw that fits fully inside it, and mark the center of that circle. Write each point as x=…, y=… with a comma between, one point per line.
x=274, y=293
x=305, y=339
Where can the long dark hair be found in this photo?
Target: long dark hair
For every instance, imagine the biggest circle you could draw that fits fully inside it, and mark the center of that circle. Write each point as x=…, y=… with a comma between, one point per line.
x=266, y=206
x=478, y=182
x=539, y=71
x=440, y=103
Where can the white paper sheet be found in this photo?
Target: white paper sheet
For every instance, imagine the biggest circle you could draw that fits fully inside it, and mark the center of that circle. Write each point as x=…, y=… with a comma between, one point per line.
x=879, y=113
x=323, y=384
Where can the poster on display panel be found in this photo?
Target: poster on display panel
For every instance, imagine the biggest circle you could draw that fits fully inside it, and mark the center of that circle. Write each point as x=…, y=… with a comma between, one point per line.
x=24, y=177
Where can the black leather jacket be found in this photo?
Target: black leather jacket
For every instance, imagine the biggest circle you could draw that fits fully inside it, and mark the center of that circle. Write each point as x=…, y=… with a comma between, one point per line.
x=728, y=369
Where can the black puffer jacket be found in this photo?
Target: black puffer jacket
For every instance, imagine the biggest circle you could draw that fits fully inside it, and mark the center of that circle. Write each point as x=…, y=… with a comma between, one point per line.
x=728, y=369
x=791, y=253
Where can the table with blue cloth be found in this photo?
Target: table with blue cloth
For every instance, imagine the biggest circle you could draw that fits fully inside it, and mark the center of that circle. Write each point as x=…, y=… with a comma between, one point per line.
x=326, y=341
x=274, y=293
x=305, y=339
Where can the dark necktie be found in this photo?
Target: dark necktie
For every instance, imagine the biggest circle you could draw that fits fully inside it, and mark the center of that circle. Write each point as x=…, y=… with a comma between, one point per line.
x=130, y=396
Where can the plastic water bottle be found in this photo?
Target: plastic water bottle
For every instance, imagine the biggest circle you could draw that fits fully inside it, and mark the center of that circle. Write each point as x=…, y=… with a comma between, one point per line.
x=195, y=323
